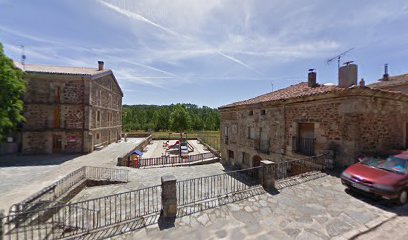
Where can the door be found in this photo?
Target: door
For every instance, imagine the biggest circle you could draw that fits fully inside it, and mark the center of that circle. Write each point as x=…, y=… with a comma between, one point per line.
x=406, y=135
x=305, y=141
x=56, y=144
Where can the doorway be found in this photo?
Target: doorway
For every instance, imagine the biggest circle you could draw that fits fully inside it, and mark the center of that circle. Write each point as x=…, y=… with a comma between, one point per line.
x=305, y=141
x=56, y=143
x=256, y=161
x=406, y=135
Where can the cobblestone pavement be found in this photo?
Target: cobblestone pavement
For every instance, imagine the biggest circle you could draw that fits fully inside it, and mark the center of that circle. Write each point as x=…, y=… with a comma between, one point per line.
x=396, y=229
x=317, y=209
x=16, y=184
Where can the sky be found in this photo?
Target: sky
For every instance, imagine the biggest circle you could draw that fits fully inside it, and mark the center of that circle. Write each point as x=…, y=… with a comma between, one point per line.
x=208, y=52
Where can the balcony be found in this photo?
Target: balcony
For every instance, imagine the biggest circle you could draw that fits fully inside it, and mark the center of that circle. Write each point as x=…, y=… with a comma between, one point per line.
x=304, y=146
x=262, y=145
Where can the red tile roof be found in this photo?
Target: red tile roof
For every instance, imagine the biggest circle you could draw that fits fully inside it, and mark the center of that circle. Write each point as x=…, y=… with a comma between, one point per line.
x=298, y=90
x=303, y=90
x=60, y=70
x=393, y=81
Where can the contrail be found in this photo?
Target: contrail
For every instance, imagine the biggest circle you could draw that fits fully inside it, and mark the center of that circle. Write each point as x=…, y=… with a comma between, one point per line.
x=140, y=18
x=237, y=61
x=24, y=35
x=151, y=68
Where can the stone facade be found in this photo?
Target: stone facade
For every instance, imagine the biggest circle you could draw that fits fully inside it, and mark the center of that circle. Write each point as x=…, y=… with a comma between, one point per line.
x=70, y=110
x=350, y=121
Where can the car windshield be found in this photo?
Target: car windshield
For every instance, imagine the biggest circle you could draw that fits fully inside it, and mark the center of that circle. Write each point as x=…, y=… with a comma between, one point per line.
x=392, y=164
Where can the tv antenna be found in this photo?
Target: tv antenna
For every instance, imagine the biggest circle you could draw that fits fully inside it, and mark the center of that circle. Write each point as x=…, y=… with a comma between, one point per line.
x=338, y=57
x=23, y=56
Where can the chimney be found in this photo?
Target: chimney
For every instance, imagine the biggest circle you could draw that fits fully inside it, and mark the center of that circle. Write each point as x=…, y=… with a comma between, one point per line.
x=362, y=83
x=348, y=75
x=100, y=65
x=311, y=78
x=386, y=77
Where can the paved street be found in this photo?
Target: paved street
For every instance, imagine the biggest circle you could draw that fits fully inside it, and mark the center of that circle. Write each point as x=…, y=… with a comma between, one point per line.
x=318, y=209
x=16, y=184
x=396, y=229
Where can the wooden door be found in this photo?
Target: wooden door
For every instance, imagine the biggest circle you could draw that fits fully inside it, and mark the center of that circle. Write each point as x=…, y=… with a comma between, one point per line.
x=56, y=143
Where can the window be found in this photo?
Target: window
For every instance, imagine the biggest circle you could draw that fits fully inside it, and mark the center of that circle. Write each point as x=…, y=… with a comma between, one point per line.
x=230, y=155
x=57, y=94
x=245, y=158
x=251, y=113
x=57, y=117
x=226, y=133
x=98, y=116
x=97, y=136
x=251, y=133
x=263, y=112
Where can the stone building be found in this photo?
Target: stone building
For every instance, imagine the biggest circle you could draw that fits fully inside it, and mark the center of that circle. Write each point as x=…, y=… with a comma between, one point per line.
x=393, y=83
x=69, y=109
x=309, y=119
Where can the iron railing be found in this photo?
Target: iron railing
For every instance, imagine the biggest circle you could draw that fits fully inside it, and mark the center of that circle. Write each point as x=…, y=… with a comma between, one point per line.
x=287, y=169
x=63, y=186
x=195, y=190
x=305, y=146
x=68, y=220
x=171, y=160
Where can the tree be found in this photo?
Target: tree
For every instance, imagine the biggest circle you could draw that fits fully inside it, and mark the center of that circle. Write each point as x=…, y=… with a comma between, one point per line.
x=180, y=120
x=12, y=89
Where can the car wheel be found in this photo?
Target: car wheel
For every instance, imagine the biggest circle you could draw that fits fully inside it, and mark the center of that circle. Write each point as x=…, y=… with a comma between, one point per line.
x=403, y=197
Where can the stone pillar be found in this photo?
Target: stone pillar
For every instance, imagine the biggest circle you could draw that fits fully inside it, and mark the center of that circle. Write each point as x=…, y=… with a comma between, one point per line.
x=266, y=174
x=2, y=224
x=169, y=196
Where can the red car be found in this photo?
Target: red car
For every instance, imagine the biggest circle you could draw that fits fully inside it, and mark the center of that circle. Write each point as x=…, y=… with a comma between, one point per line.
x=387, y=178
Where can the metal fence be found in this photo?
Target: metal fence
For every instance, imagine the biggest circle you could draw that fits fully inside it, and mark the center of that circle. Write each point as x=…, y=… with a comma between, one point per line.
x=287, y=169
x=304, y=146
x=68, y=220
x=53, y=192
x=172, y=160
x=204, y=188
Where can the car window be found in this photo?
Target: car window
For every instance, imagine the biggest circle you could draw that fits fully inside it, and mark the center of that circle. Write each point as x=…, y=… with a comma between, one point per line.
x=395, y=164
x=392, y=164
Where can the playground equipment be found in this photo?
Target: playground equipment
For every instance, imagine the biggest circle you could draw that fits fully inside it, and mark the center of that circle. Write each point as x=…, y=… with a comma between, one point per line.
x=134, y=159
x=182, y=147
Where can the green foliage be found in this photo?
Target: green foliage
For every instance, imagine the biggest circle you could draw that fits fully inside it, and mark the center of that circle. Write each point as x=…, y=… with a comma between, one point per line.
x=180, y=117
x=12, y=89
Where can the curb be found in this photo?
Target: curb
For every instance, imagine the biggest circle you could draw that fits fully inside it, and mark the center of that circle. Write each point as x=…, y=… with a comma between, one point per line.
x=368, y=227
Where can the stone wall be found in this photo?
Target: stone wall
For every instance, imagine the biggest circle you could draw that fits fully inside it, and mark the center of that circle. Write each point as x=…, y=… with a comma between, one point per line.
x=42, y=116
x=42, y=141
x=106, y=101
x=67, y=105
x=349, y=125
